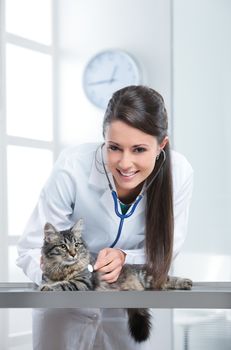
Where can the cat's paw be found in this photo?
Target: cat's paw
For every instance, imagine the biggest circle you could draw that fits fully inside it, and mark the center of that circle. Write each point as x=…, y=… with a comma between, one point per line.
x=178, y=283
x=184, y=283
x=46, y=288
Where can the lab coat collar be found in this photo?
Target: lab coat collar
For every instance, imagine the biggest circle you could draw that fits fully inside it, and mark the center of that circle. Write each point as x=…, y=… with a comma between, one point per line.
x=98, y=179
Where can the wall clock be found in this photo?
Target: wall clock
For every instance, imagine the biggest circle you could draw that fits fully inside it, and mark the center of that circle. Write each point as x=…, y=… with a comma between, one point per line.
x=107, y=72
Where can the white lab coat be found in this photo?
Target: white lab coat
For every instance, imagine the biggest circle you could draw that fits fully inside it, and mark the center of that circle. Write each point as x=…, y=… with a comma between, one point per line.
x=78, y=188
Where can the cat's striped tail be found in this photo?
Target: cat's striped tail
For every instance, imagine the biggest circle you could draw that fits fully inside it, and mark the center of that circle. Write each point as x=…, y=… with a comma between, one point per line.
x=139, y=323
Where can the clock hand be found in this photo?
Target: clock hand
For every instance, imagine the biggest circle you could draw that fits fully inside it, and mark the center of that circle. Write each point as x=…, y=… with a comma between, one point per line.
x=113, y=74
x=101, y=82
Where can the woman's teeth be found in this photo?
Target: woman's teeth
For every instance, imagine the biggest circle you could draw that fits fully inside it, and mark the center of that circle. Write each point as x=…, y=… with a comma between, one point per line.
x=127, y=174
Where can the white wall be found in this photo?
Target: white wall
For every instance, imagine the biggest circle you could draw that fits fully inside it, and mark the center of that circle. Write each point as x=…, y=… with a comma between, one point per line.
x=86, y=27
x=202, y=124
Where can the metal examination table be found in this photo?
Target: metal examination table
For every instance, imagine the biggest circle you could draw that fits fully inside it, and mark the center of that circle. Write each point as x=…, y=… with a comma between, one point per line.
x=204, y=295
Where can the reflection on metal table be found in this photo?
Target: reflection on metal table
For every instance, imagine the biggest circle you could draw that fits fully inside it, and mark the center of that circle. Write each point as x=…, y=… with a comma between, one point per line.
x=204, y=295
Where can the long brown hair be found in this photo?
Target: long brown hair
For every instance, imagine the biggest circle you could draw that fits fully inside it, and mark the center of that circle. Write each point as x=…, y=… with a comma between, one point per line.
x=143, y=108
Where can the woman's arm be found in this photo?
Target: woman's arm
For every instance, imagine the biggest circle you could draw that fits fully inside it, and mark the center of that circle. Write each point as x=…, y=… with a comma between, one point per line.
x=54, y=205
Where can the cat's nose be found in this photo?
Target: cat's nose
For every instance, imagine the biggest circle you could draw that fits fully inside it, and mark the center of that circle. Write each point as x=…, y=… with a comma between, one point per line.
x=72, y=253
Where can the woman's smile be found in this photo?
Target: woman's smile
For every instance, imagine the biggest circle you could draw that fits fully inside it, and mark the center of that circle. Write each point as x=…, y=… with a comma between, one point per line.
x=127, y=176
x=131, y=156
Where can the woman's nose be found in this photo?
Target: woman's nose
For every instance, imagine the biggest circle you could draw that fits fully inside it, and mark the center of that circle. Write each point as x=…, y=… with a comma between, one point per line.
x=125, y=161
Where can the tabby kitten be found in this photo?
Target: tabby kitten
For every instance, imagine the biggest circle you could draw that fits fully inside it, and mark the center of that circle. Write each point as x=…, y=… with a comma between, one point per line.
x=67, y=265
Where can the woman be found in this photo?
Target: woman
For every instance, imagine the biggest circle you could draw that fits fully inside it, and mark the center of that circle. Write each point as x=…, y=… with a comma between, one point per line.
x=135, y=159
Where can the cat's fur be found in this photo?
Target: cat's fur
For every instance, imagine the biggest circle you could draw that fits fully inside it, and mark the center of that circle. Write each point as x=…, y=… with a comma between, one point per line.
x=65, y=259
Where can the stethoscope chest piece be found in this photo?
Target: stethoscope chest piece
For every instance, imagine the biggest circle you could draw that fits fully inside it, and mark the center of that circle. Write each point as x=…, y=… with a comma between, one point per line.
x=90, y=268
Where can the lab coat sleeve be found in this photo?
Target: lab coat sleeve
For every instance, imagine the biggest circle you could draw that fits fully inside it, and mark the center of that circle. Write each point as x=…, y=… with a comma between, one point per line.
x=182, y=200
x=55, y=206
x=135, y=256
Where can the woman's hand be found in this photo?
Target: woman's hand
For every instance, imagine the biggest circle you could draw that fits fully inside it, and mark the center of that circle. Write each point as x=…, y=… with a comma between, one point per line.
x=110, y=262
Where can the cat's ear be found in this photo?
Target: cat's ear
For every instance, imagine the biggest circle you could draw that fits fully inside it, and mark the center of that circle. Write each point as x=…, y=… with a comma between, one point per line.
x=77, y=229
x=50, y=233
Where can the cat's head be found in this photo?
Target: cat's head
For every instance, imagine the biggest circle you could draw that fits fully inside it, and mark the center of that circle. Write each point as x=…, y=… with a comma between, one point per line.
x=51, y=234
x=66, y=247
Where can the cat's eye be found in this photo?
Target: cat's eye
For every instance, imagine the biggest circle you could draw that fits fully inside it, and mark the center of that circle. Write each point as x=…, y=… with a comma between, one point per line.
x=76, y=244
x=63, y=246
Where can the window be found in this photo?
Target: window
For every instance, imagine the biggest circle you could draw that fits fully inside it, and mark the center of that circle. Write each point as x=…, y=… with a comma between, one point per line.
x=28, y=93
x=24, y=19
x=28, y=140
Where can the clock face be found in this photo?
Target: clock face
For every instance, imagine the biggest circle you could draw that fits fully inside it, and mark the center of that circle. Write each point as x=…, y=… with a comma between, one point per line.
x=107, y=72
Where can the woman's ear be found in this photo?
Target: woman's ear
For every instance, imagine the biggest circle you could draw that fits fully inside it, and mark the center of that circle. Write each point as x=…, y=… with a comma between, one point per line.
x=164, y=142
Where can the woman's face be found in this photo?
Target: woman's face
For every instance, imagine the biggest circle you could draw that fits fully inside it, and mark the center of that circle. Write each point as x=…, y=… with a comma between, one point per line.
x=131, y=156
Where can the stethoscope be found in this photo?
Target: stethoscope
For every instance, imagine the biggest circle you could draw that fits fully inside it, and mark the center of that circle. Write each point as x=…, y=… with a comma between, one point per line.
x=134, y=204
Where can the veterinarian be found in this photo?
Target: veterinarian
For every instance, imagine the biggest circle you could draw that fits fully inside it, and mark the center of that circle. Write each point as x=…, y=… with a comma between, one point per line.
x=97, y=182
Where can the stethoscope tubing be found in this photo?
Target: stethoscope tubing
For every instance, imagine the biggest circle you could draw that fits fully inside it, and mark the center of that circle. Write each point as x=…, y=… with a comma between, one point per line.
x=118, y=233
x=123, y=216
x=131, y=209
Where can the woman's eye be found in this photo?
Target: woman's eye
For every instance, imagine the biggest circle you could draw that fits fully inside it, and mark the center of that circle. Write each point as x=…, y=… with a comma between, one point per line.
x=112, y=148
x=139, y=149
